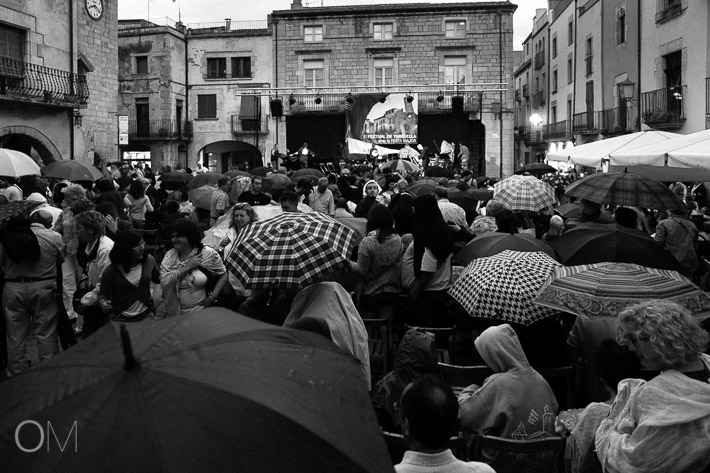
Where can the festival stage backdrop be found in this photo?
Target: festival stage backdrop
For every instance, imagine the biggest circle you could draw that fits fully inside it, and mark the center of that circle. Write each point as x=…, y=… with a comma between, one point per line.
x=393, y=121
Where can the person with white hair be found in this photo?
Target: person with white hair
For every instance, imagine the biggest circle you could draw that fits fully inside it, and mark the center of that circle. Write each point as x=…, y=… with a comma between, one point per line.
x=54, y=212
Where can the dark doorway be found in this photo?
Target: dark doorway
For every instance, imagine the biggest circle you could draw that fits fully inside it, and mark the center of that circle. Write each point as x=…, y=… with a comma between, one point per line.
x=323, y=133
x=674, y=81
x=434, y=127
x=142, y=117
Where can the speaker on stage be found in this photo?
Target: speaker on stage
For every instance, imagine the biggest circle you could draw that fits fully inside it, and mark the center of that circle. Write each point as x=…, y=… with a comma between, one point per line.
x=457, y=105
x=277, y=108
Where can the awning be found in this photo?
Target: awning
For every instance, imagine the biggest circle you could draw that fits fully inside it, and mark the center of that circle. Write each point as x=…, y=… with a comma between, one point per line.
x=250, y=108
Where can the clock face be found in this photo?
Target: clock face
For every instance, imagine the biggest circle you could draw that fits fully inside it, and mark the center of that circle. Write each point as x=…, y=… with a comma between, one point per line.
x=95, y=8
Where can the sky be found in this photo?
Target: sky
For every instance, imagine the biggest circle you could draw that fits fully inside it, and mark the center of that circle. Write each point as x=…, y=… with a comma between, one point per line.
x=203, y=11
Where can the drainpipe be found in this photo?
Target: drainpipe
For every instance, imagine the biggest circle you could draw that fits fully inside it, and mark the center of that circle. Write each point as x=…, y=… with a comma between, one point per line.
x=276, y=80
x=71, y=75
x=500, y=94
x=187, y=95
x=574, y=70
x=638, y=64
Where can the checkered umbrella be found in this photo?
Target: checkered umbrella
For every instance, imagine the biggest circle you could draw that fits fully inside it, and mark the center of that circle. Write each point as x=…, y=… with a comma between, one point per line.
x=627, y=189
x=504, y=286
x=293, y=249
x=512, y=181
x=401, y=165
x=604, y=289
x=524, y=193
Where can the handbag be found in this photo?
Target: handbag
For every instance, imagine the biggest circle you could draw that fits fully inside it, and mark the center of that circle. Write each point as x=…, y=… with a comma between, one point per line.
x=82, y=289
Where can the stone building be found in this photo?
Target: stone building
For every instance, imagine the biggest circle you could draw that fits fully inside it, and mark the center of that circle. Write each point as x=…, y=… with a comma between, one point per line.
x=58, y=79
x=326, y=59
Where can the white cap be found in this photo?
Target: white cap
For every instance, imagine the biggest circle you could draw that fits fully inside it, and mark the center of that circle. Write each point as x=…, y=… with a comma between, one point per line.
x=36, y=197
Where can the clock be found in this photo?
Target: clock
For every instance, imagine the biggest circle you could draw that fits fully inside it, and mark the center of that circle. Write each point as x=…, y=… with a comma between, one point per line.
x=95, y=8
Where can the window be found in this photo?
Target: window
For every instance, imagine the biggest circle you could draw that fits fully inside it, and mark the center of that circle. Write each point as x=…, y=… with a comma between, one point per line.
x=455, y=28
x=207, y=106
x=241, y=67
x=621, y=26
x=553, y=113
x=570, y=70
x=382, y=31
x=554, y=81
x=12, y=43
x=313, y=73
x=554, y=47
x=588, y=55
x=570, y=32
x=455, y=70
x=217, y=68
x=313, y=34
x=141, y=64
x=384, y=71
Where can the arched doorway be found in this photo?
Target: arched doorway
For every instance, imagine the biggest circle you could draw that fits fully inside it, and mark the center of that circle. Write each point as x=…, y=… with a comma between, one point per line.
x=31, y=142
x=223, y=156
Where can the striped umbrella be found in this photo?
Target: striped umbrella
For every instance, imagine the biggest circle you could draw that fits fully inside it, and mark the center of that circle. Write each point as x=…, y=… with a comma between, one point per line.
x=291, y=249
x=524, y=193
x=605, y=289
x=401, y=165
x=504, y=286
x=627, y=189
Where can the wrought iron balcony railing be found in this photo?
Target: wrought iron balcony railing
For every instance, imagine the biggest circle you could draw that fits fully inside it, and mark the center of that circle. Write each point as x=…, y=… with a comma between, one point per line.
x=240, y=126
x=159, y=129
x=616, y=120
x=587, y=123
x=664, y=108
x=556, y=131
x=24, y=81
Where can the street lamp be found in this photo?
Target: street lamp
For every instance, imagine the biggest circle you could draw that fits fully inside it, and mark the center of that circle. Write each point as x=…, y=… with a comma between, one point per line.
x=626, y=90
x=535, y=119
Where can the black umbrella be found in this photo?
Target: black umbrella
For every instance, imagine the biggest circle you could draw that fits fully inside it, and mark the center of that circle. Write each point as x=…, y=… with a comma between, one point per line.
x=260, y=171
x=492, y=243
x=436, y=171
x=536, y=169
x=175, y=177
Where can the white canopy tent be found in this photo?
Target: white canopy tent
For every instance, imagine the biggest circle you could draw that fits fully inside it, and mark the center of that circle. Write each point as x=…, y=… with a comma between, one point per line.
x=683, y=158
x=591, y=154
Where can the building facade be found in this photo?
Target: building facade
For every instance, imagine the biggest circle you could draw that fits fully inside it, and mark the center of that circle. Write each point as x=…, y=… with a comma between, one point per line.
x=326, y=58
x=58, y=79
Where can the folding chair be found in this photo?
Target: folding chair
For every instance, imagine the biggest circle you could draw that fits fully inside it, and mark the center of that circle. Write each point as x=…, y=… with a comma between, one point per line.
x=460, y=377
x=540, y=455
x=380, y=349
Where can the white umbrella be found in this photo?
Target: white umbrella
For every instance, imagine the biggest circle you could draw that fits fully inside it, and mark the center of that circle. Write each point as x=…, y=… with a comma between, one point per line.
x=591, y=154
x=15, y=164
x=682, y=158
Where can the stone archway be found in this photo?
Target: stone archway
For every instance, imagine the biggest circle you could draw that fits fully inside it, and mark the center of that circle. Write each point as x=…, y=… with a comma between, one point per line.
x=22, y=137
x=229, y=155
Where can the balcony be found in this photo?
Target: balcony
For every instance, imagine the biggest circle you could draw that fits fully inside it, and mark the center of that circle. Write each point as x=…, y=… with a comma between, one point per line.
x=538, y=99
x=667, y=10
x=539, y=60
x=428, y=102
x=522, y=133
x=616, y=121
x=588, y=123
x=25, y=82
x=557, y=131
x=663, y=109
x=159, y=129
x=250, y=127
x=526, y=92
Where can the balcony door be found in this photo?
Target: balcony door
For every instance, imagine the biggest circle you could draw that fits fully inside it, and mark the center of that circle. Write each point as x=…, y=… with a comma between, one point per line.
x=674, y=81
x=142, y=117
x=589, y=101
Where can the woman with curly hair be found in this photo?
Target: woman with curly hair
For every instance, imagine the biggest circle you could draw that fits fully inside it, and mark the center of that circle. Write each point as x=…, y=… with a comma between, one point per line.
x=662, y=425
x=137, y=204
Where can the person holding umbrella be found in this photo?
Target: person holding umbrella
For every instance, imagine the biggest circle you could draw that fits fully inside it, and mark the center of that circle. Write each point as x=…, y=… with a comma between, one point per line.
x=679, y=236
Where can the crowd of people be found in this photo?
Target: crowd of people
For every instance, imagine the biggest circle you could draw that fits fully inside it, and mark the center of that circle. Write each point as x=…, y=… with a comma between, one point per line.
x=79, y=260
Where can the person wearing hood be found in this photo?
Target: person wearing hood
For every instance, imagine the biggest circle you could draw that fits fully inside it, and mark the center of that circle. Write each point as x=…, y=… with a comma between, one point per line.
x=370, y=192
x=378, y=263
x=416, y=357
x=662, y=425
x=515, y=402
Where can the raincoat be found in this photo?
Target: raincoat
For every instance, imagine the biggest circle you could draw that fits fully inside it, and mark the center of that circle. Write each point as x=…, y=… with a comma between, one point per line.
x=329, y=301
x=662, y=425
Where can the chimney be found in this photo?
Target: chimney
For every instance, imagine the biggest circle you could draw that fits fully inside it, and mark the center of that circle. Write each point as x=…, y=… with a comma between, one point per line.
x=227, y=24
x=296, y=5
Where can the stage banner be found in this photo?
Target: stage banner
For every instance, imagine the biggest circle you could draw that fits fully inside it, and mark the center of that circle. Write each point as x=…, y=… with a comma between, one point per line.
x=393, y=121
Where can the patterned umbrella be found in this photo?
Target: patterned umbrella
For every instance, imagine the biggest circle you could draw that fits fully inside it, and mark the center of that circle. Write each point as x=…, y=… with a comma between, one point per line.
x=504, y=286
x=492, y=243
x=627, y=189
x=512, y=181
x=401, y=165
x=604, y=289
x=293, y=249
x=206, y=178
x=525, y=193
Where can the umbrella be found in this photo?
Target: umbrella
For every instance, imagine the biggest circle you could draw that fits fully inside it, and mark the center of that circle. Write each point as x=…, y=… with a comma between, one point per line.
x=274, y=182
x=536, y=168
x=15, y=164
x=72, y=171
x=436, y=171
x=481, y=179
x=357, y=224
x=589, y=243
x=15, y=208
x=526, y=194
x=260, y=171
x=305, y=173
x=202, y=197
x=605, y=289
x=309, y=177
x=627, y=189
x=504, y=286
x=492, y=243
x=568, y=210
x=421, y=189
x=293, y=249
x=591, y=154
x=177, y=177
x=214, y=391
x=401, y=165
x=206, y=178
x=512, y=181
x=232, y=174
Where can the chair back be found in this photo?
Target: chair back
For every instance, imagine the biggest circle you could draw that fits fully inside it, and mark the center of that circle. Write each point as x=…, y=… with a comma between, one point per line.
x=380, y=347
x=397, y=445
x=540, y=455
x=560, y=379
x=460, y=377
